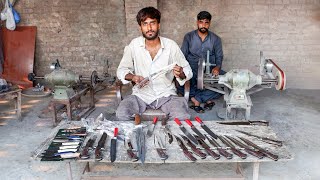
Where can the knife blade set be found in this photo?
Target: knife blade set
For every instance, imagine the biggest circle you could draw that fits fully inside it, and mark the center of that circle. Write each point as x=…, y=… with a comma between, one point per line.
x=196, y=141
x=65, y=145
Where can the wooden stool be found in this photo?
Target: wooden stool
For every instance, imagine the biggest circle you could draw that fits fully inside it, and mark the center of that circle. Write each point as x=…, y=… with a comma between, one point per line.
x=16, y=95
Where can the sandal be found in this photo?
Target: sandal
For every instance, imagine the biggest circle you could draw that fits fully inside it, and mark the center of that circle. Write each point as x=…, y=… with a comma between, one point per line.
x=198, y=109
x=209, y=106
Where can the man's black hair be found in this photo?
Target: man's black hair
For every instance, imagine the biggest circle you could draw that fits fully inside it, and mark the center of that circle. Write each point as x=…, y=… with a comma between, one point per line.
x=204, y=15
x=148, y=12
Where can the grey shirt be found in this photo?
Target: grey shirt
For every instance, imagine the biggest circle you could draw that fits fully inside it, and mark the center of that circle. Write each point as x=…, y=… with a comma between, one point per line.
x=193, y=48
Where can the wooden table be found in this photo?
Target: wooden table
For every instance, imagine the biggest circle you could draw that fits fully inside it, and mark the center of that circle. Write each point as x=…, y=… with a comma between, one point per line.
x=14, y=94
x=176, y=155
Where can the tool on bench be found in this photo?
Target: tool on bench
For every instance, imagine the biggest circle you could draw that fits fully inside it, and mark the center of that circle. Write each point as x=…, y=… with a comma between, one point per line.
x=194, y=129
x=130, y=152
x=219, y=148
x=233, y=148
x=205, y=127
x=252, y=123
x=207, y=148
x=184, y=130
x=85, y=151
x=264, y=139
x=160, y=147
x=246, y=148
x=113, y=146
x=185, y=149
x=98, y=154
x=266, y=153
x=151, y=129
x=194, y=148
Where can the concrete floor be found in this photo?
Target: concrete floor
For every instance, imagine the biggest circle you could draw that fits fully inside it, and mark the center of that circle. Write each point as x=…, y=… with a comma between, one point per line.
x=293, y=115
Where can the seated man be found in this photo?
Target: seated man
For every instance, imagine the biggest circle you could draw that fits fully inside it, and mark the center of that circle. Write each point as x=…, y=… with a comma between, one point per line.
x=195, y=46
x=158, y=58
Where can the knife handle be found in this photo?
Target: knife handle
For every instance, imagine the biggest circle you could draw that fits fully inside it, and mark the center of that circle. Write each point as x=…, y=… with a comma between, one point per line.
x=115, y=132
x=198, y=120
x=132, y=156
x=162, y=154
x=225, y=153
x=177, y=121
x=239, y=153
x=188, y=122
x=257, y=154
x=155, y=119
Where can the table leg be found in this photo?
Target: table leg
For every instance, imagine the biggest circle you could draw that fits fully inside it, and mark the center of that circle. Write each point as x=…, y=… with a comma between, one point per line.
x=54, y=113
x=239, y=169
x=19, y=106
x=86, y=168
x=69, y=171
x=255, y=175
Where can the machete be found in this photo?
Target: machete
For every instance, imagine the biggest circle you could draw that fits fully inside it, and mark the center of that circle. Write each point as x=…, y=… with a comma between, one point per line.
x=184, y=130
x=194, y=129
x=206, y=127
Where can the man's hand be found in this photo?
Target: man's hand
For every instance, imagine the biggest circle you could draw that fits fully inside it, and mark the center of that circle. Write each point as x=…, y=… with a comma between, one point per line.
x=216, y=70
x=134, y=78
x=137, y=79
x=178, y=72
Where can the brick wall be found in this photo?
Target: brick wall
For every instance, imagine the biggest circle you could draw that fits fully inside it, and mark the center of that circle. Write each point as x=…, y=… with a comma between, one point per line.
x=83, y=34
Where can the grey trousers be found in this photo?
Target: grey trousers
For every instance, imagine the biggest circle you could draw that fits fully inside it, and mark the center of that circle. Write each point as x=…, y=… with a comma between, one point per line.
x=174, y=106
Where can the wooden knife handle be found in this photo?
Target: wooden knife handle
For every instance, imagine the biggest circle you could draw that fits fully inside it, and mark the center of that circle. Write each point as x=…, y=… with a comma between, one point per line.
x=137, y=119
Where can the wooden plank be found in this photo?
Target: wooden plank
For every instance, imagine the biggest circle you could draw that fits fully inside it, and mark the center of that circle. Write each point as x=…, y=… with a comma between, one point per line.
x=19, y=50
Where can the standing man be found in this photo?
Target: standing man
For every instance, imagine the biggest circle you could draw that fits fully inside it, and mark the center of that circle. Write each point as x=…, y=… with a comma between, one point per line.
x=158, y=58
x=195, y=46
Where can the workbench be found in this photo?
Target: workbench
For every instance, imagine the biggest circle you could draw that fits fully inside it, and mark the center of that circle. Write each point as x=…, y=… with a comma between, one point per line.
x=177, y=156
x=14, y=94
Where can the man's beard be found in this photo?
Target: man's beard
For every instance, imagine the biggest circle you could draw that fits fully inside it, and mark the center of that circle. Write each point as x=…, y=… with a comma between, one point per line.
x=156, y=33
x=203, y=30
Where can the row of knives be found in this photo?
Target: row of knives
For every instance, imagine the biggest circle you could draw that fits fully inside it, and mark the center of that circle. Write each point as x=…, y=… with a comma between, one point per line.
x=189, y=144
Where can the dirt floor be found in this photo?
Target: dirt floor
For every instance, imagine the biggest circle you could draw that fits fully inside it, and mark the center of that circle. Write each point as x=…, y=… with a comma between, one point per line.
x=293, y=115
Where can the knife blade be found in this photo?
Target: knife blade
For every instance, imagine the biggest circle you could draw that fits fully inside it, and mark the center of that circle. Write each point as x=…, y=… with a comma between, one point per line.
x=219, y=148
x=113, y=146
x=249, y=150
x=140, y=140
x=194, y=129
x=266, y=153
x=184, y=130
x=160, y=149
x=168, y=133
x=264, y=139
x=151, y=129
x=185, y=149
x=254, y=123
x=193, y=147
x=233, y=148
x=205, y=127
